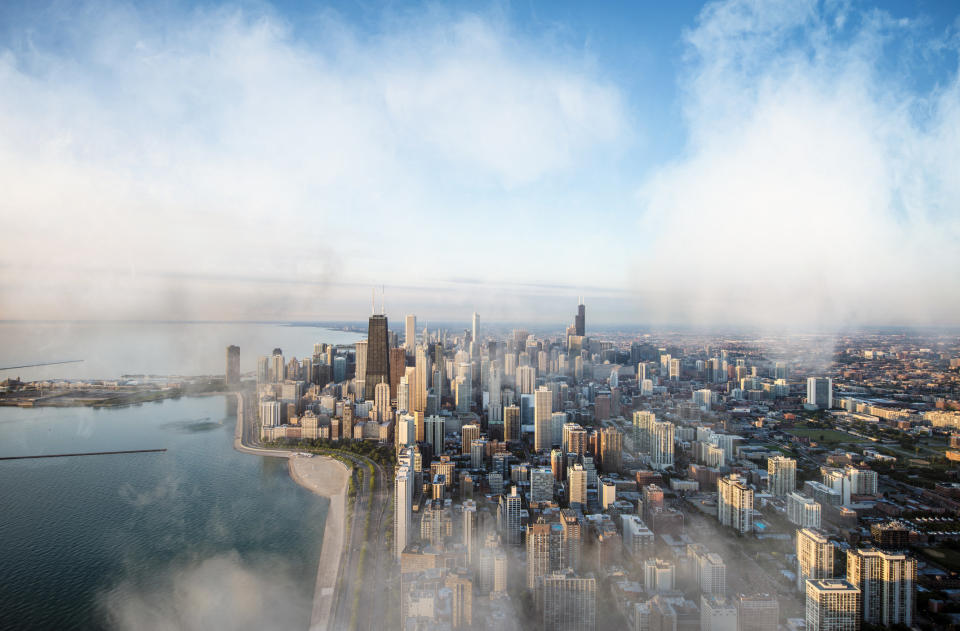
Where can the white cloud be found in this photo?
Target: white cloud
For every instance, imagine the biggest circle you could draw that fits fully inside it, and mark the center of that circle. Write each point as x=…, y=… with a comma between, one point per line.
x=817, y=186
x=219, y=143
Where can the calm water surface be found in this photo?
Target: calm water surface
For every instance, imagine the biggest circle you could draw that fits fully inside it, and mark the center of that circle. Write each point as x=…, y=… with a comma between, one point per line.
x=112, y=349
x=198, y=537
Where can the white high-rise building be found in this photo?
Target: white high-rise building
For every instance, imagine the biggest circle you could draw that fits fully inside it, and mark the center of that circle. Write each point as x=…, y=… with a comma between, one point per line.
x=526, y=379
x=542, y=412
x=781, y=475
x=735, y=503
x=814, y=556
x=703, y=398
x=577, y=486
x=887, y=583
x=402, y=509
x=712, y=573
x=659, y=575
x=661, y=445
x=803, y=511
x=410, y=334
x=270, y=413
x=832, y=605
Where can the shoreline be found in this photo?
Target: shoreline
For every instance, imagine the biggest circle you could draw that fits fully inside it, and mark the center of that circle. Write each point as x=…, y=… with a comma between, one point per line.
x=328, y=478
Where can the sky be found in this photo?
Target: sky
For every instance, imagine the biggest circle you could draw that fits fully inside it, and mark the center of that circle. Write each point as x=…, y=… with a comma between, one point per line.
x=790, y=163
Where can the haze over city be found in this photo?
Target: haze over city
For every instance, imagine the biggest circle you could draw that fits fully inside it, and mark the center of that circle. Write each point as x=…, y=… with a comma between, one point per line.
x=721, y=163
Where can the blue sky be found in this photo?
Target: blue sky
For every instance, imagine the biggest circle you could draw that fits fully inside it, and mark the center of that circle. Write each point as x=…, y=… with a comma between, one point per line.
x=690, y=163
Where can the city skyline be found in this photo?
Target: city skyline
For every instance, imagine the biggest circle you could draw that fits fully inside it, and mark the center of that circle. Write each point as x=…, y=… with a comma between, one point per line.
x=789, y=165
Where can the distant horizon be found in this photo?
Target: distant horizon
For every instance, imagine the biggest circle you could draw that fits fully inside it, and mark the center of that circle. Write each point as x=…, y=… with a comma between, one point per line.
x=397, y=321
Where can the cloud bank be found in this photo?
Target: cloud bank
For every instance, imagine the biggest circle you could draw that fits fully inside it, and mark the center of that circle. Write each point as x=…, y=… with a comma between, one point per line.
x=161, y=163
x=819, y=183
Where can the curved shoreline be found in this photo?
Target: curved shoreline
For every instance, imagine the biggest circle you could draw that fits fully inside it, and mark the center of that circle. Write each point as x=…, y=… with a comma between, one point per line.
x=326, y=477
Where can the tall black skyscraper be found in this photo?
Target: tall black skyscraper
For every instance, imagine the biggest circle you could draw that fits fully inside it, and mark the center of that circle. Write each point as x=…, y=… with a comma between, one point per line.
x=580, y=321
x=378, y=352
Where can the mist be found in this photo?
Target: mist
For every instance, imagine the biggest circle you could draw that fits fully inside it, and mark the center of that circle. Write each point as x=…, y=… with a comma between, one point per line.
x=219, y=592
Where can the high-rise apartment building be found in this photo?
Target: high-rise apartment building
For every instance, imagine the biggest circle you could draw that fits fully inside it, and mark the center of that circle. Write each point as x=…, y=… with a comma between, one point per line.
x=661, y=445
x=541, y=485
x=820, y=392
x=832, y=605
x=574, y=439
x=510, y=519
x=577, y=487
x=814, y=556
x=542, y=411
x=803, y=511
x=421, y=384
x=781, y=475
x=887, y=583
x=544, y=550
x=402, y=508
x=735, y=503
x=642, y=430
x=611, y=450
x=468, y=433
x=511, y=422
x=569, y=602
x=360, y=354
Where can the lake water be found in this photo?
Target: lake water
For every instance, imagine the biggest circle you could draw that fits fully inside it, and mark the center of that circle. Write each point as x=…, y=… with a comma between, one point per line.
x=198, y=537
x=112, y=349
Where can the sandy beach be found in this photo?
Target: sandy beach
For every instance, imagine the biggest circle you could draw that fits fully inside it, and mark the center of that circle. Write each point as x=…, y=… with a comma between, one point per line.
x=327, y=477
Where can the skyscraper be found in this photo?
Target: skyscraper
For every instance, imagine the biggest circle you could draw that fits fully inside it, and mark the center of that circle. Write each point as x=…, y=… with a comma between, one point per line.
x=475, y=337
x=398, y=367
x=543, y=410
x=814, y=556
x=832, y=605
x=820, y=392
x=735, y=503
x=887, y=583
x=544, y=550
x=421, y=383
x=569, y=602
x=403, y=507
x=661, y=445
x=580, y=322
x=410, y=334
x=361, y=372
x=781, y=475
x=611, y=448
x=511, y=422
x=577, y=487
x=510, y=519
x=378, y=352
x=232, y=375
